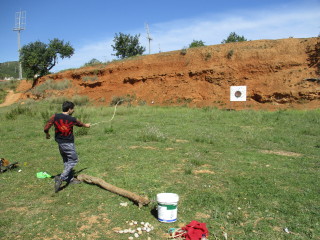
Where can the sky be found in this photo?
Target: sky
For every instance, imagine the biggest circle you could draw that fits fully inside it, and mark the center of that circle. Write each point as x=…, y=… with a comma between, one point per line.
x=90, y=26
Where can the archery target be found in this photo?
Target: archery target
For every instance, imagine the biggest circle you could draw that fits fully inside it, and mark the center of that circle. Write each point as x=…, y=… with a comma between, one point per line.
x=238, y=93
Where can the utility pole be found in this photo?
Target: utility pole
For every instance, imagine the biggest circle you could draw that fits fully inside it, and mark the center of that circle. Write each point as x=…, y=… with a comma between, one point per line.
x=148, y=37
x=20, y=24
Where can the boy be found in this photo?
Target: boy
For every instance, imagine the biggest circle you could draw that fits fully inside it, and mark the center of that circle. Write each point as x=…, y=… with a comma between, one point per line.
x=63, y=123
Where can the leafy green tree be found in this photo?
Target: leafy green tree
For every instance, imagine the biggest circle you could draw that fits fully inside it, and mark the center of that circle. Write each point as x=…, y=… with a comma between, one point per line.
x=126, y=45
x=196, y=43
x=38, y=58
x=233, y=37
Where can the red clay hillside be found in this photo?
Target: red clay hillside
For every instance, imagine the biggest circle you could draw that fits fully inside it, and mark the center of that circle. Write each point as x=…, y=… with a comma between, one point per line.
x=277, y=74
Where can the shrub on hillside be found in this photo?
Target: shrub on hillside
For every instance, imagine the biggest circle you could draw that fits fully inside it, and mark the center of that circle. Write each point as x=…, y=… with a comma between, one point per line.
x=233, y=37
x=183, y=51
x=92, y=62
x=196, y=43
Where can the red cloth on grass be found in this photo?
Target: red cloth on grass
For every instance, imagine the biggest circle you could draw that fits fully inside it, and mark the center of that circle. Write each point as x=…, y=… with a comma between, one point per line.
x=195, y=230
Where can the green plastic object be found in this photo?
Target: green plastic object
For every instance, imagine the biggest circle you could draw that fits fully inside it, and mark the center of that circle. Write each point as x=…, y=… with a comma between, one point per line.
x=43, y=175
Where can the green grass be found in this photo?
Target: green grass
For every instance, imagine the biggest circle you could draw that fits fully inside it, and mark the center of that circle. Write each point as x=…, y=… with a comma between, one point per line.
x=51, y=85
x=249, y=174
x=3, y=94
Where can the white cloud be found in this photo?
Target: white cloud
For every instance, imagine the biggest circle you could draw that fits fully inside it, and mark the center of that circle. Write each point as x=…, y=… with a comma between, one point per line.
x=296, y=22
x=253, y=25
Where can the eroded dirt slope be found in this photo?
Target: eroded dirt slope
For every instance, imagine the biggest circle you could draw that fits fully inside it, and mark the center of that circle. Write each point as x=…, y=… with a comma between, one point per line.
x=276, y=73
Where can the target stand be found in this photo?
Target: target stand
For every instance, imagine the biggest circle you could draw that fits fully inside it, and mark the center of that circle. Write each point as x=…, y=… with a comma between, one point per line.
x=238, y=94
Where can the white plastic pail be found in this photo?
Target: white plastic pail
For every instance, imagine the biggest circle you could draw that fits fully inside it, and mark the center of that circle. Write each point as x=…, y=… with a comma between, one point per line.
x=167, y=207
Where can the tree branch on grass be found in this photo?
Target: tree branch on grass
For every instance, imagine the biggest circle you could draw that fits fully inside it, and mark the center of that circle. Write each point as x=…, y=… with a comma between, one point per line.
x=98, y=181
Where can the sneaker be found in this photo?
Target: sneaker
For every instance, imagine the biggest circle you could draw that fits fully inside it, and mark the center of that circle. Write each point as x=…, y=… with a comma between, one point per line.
x=57, y=183
x=74, y=181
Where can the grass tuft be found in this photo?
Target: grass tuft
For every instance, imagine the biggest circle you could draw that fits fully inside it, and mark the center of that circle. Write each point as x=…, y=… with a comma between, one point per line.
x=19, y=110
x=80, y=100
x=152, y=134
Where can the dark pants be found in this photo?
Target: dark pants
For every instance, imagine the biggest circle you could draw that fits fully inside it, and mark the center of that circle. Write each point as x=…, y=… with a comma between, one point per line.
x=70, y=159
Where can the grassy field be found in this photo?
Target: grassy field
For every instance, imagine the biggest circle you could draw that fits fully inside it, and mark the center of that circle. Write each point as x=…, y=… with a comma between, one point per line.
x=246, y=174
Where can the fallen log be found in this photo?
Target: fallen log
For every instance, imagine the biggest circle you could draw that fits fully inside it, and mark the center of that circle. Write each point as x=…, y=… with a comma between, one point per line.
x=98, y=181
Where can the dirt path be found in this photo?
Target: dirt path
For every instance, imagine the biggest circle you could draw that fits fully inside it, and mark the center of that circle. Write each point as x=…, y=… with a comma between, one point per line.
x=11, y=98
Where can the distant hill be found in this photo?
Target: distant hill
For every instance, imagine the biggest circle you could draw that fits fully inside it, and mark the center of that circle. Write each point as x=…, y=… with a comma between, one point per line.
x=9, y=69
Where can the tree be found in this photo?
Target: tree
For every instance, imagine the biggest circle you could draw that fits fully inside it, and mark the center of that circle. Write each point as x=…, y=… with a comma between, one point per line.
x=38, y=58
x=92, y=62
x=126, y=45
x=196, y=43
x=233, y=37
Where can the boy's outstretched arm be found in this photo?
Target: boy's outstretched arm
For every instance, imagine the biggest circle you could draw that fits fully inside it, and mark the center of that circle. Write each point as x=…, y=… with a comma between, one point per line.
x=48, y=126
x=81, y=124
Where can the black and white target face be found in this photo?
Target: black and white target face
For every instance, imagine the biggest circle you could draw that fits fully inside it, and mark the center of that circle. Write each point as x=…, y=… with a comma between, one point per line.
x=238, y=94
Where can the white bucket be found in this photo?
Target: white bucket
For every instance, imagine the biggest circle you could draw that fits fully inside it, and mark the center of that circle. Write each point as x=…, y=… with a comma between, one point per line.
x=167, y=207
